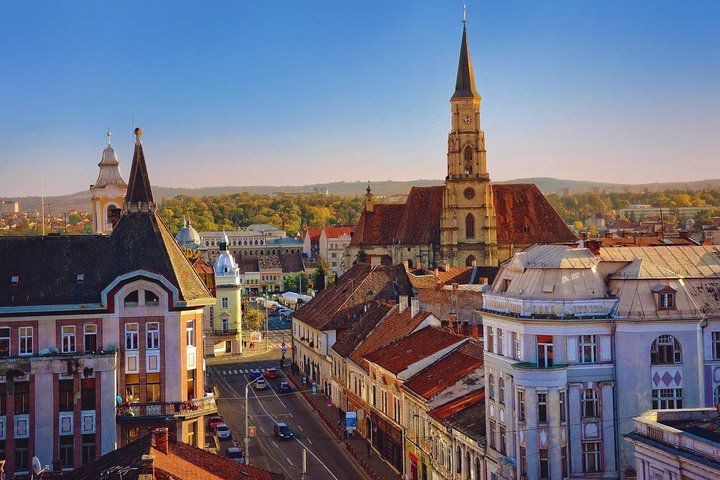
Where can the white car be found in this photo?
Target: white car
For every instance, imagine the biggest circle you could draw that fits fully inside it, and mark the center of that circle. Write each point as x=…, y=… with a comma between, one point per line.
x=261, y=384
x=284, y=311
x=223, y=431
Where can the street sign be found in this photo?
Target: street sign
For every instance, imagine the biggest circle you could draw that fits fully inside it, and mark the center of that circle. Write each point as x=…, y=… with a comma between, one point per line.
x=282, y=344
x=252, y=431
x=350, y=421
x=283, y=350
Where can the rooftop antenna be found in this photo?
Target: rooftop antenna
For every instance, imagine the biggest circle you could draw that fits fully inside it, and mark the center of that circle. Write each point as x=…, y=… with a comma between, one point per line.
x=42, y=201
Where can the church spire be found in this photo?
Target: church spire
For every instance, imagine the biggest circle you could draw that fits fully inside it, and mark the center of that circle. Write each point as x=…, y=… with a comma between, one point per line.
x=139, y=194
x=465, y=83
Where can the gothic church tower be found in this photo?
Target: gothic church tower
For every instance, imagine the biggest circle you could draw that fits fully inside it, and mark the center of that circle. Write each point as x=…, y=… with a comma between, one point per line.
x=467, y=230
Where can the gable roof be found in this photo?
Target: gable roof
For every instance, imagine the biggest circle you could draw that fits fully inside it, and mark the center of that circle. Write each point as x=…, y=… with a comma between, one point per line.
x=341, y=304
x=182, y=461
x=448, y=370
x=523, y=216
x=394, y=326
x=334, y=232
x=417, y=346
x=362, y=328
x=472, y=399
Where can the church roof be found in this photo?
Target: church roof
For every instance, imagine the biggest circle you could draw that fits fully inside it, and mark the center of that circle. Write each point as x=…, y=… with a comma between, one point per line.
x=109, y=169
x=139, y=191
x=523, y=216
x=465, y=83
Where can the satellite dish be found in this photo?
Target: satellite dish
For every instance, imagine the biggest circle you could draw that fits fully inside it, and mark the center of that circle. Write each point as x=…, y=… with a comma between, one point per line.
x=36, y=466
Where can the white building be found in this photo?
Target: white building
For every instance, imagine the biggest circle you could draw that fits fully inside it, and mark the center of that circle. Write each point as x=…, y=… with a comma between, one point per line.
x=578, y=344
x=677, y=444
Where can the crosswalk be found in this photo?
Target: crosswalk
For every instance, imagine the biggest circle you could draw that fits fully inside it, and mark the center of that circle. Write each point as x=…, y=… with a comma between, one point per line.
x=238, y=371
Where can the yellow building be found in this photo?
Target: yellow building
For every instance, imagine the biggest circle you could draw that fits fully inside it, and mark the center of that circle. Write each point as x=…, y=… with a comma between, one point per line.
x=108, y=192
x=226, y=316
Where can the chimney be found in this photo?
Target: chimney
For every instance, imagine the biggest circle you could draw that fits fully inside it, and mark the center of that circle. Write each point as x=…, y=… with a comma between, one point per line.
x=147, y=469
x=403, y=303
x=414, y=306
x=160, y=440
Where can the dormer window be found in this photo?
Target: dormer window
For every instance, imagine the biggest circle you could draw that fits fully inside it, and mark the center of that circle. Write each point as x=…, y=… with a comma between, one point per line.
x=151, y=299
x=665, y=297
x=80, y=279
x=132, y=299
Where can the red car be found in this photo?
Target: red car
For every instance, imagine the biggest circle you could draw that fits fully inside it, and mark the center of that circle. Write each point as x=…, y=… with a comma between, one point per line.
x=271, y=373
x=215, y=421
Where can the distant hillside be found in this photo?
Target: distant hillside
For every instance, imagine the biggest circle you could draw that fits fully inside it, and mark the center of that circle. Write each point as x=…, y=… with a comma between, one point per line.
x=81, y=201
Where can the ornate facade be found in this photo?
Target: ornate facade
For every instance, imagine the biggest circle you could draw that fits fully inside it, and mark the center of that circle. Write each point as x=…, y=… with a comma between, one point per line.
x=107, y=194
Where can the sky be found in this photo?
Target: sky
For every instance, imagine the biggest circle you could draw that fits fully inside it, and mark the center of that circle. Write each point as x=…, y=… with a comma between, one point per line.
x=290, y=93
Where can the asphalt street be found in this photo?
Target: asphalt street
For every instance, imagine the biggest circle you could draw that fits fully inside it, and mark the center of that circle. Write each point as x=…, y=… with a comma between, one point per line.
x=325, y=457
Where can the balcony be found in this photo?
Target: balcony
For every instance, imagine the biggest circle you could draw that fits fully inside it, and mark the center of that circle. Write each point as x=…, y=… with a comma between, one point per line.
x=128, y=412
x=68, y=363
x=590, y=308
x=224, y=333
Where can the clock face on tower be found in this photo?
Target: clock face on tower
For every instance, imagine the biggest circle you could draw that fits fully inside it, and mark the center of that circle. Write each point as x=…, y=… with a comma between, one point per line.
x=469, y=193
x=467, y=119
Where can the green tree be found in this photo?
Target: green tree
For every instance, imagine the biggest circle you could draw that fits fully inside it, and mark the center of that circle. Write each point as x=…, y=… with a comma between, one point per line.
x=253, y=318
x=320, y=273
x=298, y=283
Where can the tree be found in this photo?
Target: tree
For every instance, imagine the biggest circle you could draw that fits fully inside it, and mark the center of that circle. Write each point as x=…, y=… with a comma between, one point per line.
x=320, y=273
x=253, y=318
x=298, y=283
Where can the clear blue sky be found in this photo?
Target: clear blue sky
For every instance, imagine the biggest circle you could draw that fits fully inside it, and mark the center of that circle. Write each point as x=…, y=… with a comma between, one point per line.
x=288, y=92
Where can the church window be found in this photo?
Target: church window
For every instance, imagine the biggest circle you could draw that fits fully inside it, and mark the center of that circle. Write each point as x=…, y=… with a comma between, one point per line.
x=470, y=226
x=469, y=193
x=468, y=160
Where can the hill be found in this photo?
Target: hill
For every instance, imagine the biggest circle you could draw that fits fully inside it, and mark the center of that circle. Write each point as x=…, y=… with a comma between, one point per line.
x=81, y=200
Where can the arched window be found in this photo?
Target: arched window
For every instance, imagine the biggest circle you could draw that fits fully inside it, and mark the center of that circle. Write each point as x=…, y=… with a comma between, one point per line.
x=458, y=462
x=491, y=386
x=665, y=350
x=470, y=226
x=468, y=160
x=132, y=299
x=468, y=465
x=589, y=403
x=470, y=261
x=716, y=396
x=501, y=390
x=478, y=469
x=112, y=214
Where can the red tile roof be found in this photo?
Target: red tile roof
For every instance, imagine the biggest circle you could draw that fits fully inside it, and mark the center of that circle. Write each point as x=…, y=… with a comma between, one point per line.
x=417, y=346
x=523, y=216
x=314, y=234
x=342, y=303
x=334, y=232
x=442, y=412
x=362, y=328
x=394, y=326
x=448, y=370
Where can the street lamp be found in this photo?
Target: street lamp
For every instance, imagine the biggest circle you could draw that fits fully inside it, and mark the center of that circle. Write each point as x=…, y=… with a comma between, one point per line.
x=247, y=438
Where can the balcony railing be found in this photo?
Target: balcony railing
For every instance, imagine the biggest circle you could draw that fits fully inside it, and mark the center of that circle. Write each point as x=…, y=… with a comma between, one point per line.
x=224, y=332
x=190, y=409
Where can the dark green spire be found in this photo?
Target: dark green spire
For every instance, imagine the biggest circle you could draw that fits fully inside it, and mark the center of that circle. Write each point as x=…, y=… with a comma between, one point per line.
x=465, y=84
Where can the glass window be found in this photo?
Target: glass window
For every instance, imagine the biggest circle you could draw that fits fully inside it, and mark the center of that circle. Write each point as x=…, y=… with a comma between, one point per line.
x=66, y=450
x=458, y=460
x=224, y=302
x=589, y=403
x=190, y=333
x=562, y=406
x=716, y=397
x=153, y=387
x=542, y=407
x=191, y=384
x=489, y=344
x=151, y=300
x=667, y=301
x=90, y=337
x=665, y=350
x=521, y=405
x=591, y=457
x=500, y=341
x=491, y=433
x=544, y=463
x=545, y=351
x=68, y=338
x=667, y=398
x=65, y=388
x=88, y=449
x=469, y=226
x=563, y=461
x=131, y=336
x=132, y=299
x=87, y=394
x=22, y=454
x=25, y=335
x=152, y=335
x=503, y=445
x=5, y=342
x=522, y=461
x=588, y=349
x=501, y=389
x=715, y=345
x=491, y=386
x=516, y=345
x=132, y=388
x=22, y=398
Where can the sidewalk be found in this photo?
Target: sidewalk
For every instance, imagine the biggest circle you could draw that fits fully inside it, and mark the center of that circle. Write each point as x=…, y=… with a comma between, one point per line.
x=374, y=467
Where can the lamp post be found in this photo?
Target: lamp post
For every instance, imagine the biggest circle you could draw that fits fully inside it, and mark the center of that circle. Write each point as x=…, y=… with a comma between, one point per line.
x=247, y=438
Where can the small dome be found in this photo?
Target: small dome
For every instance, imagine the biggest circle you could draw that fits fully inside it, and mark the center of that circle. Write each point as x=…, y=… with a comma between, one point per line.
x=188, y=236
x=109, y=157
x=225, y=264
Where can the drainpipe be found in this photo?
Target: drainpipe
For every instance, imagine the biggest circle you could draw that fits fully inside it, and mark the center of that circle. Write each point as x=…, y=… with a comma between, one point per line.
x=701, y=363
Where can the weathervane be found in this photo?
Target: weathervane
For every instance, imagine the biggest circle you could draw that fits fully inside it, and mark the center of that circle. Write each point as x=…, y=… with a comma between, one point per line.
x=108, y=135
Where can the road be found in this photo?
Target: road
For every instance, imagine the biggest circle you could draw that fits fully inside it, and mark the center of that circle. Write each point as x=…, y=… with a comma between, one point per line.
x=325, y=458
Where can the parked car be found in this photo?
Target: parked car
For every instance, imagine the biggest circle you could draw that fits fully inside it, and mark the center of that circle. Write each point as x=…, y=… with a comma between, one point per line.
x=215, y=421
x=283, y=432
x=261, y=384
x=284, y=311
x=236, y=454
x=271, y=373
x=285, y=387
x=223, y=431
x=255, y=373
